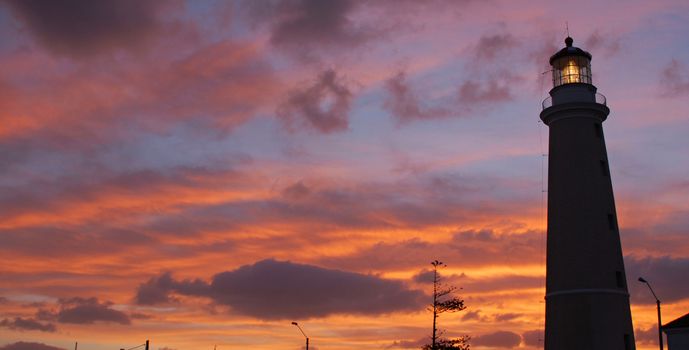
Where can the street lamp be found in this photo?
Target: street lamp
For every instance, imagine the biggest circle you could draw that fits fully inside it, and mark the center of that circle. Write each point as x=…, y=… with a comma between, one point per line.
x=660, y=332
x=302, y=332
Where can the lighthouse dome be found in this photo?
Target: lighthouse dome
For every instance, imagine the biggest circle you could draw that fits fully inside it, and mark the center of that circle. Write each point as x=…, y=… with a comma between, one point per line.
x=571, y=65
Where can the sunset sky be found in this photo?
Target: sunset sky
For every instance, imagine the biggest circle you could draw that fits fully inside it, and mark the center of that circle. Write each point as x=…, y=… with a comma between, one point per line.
x=203, y=173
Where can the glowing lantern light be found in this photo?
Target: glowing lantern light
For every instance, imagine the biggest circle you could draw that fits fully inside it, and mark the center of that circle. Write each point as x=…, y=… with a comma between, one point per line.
x=571, y=65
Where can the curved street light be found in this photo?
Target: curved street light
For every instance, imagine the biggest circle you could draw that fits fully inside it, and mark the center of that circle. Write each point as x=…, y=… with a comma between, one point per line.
x=302, y=332
x=660, y=331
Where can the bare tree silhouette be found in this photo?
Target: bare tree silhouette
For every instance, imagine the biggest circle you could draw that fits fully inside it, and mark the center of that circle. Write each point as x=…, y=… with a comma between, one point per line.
x=444, y=301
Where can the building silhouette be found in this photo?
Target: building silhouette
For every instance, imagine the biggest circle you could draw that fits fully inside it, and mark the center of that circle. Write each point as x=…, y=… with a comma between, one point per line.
x=677, y=332
x=587, y=302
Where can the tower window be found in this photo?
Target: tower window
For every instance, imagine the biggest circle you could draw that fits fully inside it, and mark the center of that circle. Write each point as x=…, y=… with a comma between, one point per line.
x=620, y=279
x=599, y=130
x=611, y=221
x=604, y=168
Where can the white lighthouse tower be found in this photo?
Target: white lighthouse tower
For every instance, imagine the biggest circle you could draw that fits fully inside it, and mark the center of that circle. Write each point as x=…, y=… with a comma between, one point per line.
x=587, y=302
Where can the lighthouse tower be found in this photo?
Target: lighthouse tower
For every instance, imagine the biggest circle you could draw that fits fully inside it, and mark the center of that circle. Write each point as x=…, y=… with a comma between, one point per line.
x=587, y=302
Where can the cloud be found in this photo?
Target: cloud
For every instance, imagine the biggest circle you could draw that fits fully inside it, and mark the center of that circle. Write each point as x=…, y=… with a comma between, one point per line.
x=304, y=25
x=29, y=346
x=27, y=324
x=489, y=46
x=499, y=339
x=506, y=317
x=472, y=315
x=84, y=113
x=85, y=311
x=408, y=344
x=667, y=276
x=403, y=102
x=533, y=338
x=608, y=44
x=88, y=239
x=271, y=289
x=479, y=92
x=157, y=289
x=296, y=191
x=323, y=106
x=674, y=79
x=84, y=27
x=424, y=276
x=646, y=336
x=465, y=249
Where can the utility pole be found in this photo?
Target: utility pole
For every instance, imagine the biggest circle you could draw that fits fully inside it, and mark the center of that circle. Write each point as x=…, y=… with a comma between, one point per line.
x=302, y=332
x=660, y=325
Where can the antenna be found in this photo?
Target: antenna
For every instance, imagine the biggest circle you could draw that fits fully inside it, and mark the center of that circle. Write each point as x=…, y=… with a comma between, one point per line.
x=567, y=27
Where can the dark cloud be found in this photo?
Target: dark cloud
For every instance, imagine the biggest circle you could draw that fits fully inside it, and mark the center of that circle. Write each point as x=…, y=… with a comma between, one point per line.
x=646, y=336
x=323, y=106
x=408, y=344
x=490, y=46
x=404, y=104
x=29, y=346
x=296, y=191
x=540, y=54
x=85, y=311
x=506, y=317
x=484, y=92
x=424, y=276
x=140, y=316
x=304, y=25
x=667, y=276
x=607, y=44
x=499, y=339
x=84, y=27
x=533, y=338
x=272, y=289
x=157, y=289
x=27, y=324
x=674, y=79
x=472, y=315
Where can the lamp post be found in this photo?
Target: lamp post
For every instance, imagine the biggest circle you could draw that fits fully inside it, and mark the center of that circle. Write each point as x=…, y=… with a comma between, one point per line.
x=660, y=325
x=302, y=332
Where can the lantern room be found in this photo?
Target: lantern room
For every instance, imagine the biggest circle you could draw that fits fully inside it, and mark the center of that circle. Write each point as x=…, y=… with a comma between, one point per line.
x=571, y=65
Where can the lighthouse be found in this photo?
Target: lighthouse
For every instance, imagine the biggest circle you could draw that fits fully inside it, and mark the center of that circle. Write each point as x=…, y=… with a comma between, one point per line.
x=587, y=302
